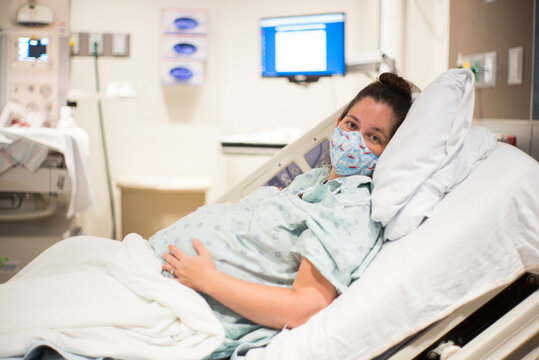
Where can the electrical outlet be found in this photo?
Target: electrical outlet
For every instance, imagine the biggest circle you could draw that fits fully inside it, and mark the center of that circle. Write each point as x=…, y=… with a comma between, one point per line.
x=119, y=44
x=92, y=39
x=514, y=67
x=109, y=44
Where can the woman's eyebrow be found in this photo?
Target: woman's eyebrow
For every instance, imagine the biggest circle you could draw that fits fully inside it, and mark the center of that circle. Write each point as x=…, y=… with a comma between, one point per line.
x=379, y=130
x=353, y=117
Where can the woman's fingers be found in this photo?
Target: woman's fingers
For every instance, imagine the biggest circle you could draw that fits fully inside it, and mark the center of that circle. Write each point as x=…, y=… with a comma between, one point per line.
x=200, y=248
x=168, y=267
x=173, y=259
x=189, y=270
x=180, y=255
x=177, y=253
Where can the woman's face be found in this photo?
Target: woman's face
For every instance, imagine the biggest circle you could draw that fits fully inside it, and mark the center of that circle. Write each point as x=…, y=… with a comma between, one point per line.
x=374, y=120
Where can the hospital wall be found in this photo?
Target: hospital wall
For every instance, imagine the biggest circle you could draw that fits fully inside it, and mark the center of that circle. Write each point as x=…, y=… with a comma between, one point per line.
x=174, y=131
x=478, y=26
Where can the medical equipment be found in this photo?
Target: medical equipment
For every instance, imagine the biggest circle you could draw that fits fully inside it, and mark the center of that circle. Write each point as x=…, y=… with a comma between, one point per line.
x=44, y=183
x=34, y=55
x=36, y=182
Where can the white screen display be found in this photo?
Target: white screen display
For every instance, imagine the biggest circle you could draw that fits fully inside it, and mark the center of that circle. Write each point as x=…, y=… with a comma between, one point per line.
x=300, y=50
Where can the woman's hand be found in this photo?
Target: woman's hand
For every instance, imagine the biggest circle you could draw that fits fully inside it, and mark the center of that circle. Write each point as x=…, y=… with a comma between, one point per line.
x=192, y=271
x=271, y=306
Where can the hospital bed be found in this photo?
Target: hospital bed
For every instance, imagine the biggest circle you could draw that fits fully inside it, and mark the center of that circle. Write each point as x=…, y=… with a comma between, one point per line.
x=495, y=318
x=462, y=285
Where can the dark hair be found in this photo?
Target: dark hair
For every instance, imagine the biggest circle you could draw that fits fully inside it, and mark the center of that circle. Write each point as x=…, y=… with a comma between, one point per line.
x=391, y=90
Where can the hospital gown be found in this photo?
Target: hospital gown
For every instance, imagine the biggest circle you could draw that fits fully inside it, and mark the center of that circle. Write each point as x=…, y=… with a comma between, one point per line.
x=263, y=238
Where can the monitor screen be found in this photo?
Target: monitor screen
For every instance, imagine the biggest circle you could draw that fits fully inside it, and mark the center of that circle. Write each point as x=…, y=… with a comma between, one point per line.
x=309, y=45
x=31, y=49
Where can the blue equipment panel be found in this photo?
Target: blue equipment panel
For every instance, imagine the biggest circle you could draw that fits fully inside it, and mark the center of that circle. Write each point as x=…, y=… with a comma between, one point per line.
x=285, y=176
x=319, y=155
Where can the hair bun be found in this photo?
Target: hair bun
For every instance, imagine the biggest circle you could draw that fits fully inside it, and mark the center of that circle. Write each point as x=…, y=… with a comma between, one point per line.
x=391, y=90
x=396, y=82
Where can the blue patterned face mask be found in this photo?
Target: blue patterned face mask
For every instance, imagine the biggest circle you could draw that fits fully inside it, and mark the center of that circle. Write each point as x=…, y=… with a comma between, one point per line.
x=349, y=154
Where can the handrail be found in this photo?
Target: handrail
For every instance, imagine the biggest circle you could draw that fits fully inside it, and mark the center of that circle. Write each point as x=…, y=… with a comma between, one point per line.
x=32, y=215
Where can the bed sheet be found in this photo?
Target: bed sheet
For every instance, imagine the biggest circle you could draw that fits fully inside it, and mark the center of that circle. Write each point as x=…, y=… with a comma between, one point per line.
x=482, y=235
x=99, y=297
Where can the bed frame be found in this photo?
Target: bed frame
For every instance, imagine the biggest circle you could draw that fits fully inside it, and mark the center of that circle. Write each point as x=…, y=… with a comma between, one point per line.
x=501, y=324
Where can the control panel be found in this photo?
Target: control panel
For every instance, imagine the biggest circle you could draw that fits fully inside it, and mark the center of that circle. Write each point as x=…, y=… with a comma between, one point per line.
x=31, y=77
x=35, y=56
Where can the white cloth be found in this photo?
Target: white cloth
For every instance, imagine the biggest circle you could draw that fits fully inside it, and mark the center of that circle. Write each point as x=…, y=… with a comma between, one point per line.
x=73, y=143
x=482, y=235
x=100, y=297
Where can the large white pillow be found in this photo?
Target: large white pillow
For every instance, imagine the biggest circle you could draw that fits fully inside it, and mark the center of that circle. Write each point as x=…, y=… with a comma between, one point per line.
x=478, y=144
x=431, y=134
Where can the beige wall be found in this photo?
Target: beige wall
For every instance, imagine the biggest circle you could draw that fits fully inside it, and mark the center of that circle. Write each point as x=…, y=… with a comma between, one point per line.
x=426, y=40
x=478, y=27
x=174, y=131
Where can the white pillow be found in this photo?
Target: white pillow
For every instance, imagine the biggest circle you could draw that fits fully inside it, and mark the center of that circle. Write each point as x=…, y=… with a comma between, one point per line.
x=478, y=144
x=432, y=132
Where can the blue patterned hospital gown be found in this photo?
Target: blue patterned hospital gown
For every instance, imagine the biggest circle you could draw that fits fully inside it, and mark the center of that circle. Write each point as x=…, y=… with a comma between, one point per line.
x=263, y=238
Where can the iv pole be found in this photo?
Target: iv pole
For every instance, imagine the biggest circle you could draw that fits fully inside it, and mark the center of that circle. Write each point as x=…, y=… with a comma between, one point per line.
x=104, y=143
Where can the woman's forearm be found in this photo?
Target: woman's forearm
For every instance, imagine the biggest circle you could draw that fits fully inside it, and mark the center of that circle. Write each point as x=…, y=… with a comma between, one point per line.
x=270, y=306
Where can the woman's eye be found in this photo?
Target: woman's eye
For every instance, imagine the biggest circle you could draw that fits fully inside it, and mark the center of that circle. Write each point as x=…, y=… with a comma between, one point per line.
x=375, y=138
x=351, y=125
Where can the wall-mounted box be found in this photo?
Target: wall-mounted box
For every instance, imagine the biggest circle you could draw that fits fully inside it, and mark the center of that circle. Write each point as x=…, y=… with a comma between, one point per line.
x=182, y=72
x=185, y=46
x=514, y=66
x=185, y=21
x=483, y=66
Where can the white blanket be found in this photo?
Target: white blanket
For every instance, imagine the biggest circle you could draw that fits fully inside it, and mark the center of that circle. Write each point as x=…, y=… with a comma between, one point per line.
x=100, y=297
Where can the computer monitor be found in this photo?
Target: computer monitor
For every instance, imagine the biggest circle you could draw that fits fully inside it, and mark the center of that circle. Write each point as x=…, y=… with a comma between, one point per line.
x=303, y=48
